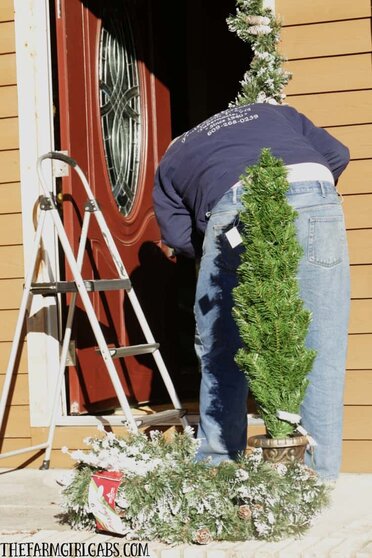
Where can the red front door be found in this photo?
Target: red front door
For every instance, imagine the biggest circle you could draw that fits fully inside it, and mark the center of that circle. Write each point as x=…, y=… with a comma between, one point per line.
x=114, y=115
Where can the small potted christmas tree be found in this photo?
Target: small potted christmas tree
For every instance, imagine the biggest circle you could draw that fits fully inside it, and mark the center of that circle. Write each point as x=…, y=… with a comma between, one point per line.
x=268, y=309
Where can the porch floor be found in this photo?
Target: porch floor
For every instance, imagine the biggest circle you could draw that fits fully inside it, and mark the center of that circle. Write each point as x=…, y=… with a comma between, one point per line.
x=30, y=498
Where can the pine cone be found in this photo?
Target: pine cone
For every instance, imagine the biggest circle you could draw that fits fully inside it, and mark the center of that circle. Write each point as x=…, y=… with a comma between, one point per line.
x=312, y=474
x=244, y=512
x=202, y=536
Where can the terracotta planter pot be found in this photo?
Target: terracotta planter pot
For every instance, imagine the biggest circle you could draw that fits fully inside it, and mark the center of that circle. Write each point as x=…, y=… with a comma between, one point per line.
x=280, y=450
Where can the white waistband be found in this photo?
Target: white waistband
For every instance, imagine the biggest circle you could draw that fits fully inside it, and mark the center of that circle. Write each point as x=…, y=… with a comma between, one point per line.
x=308, y=171
x=301, y=172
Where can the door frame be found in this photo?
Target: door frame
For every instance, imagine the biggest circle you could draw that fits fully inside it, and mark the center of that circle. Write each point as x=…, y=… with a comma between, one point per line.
x=36, y=136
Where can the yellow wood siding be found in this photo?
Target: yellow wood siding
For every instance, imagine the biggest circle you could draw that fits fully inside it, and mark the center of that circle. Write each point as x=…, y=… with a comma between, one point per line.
x=361, y=316
x=9, y=133
x=30, y=459
x=20, y=396
x=11, y=232
x=338, y=73
x=9, y=166
x=17, y=416
x=357, y=178
x=360, y=246
x=293, y=12
x=311, y=41
x=328, y=46
x=10, y=197
x=358, y=390
x=358, y=211
x=7, y=10
x=7, y=38
x=7, y=69
x=359, y=354
x=11, y=258
x=18, y=422
x=358, y=138
x=7, y=324
x=358, y=422
x=4, y=356
x=361, y=281
x=10, y=293
x=8, y=101
x=336, y=109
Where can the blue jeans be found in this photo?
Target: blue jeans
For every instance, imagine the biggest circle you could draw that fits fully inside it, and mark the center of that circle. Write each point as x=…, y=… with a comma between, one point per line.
x=323, y=276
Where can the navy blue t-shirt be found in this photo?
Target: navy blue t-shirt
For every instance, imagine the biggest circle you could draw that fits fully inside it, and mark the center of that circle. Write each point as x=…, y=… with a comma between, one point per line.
x=203, y=163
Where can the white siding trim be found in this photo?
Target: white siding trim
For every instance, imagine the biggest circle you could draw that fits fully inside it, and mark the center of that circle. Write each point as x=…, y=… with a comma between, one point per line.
x=35, y=106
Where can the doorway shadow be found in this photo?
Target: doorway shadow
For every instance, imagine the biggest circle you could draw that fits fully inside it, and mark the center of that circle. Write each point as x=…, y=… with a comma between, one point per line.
x=188, y=47
x=164, y=288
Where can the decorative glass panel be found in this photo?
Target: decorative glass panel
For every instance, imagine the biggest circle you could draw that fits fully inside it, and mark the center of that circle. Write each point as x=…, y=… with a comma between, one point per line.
x=120, y=107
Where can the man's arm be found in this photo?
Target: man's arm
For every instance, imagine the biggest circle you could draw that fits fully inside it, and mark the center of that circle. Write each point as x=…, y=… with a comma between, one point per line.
x=174, y=218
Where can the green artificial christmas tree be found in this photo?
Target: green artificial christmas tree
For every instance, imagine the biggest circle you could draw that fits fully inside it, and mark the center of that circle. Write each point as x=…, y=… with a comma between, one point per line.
x=268, y=310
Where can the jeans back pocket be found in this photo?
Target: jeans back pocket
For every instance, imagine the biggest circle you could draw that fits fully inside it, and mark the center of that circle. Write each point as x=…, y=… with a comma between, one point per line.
x=326, y=240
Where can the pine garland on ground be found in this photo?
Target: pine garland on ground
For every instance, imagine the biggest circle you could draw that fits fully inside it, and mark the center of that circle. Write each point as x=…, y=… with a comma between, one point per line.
x=267, y=306
x=265, y=79
x=166, y=495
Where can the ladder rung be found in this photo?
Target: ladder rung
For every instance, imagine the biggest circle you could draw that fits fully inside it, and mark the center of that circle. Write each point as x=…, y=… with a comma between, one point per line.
x=118, y=352
x=108, y=284
x=50, y=289
x=162, y=417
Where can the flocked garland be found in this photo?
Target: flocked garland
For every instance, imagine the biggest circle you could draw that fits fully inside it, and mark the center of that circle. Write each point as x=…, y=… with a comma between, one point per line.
x=265, y=79
x=166, y=495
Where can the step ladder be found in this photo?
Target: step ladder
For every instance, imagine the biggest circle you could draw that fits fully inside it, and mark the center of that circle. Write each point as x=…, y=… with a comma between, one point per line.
x=81, y=287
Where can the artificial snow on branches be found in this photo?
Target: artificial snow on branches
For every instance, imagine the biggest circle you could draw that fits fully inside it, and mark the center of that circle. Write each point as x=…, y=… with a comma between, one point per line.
x=178, y=499
x=268, y=309
x=265, y=80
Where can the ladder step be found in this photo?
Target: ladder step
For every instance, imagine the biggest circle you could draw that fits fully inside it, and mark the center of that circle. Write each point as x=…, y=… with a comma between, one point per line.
x=118, y=352
x=162, y=417
x=51, y=289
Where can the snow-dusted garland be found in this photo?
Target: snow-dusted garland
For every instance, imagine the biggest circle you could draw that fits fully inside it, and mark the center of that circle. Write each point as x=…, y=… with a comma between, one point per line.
x=166, y=495
x=265, y=80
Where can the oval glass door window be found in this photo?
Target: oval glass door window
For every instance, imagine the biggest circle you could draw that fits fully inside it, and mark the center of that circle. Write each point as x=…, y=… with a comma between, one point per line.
x=119, y=91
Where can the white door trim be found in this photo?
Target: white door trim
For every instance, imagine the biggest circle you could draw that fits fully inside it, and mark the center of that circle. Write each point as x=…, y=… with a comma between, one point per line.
x=36, y=136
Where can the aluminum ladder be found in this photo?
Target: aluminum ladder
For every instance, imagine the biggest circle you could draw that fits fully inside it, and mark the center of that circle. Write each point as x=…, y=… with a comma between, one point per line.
x=81, y=287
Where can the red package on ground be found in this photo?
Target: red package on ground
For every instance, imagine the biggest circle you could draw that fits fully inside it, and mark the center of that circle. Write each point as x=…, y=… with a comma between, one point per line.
x=103, y=489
